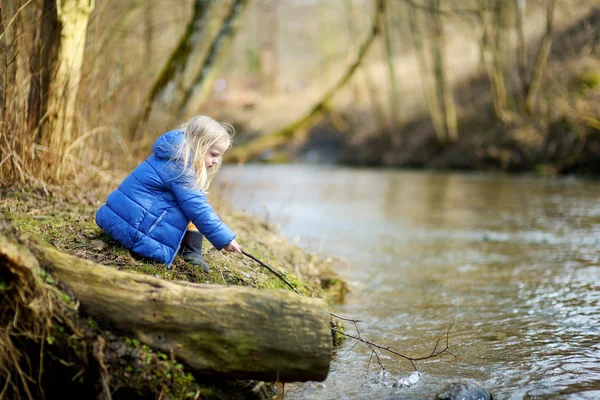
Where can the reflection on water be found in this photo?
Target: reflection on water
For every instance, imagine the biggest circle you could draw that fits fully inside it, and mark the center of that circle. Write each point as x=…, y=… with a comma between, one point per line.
x=514, y=261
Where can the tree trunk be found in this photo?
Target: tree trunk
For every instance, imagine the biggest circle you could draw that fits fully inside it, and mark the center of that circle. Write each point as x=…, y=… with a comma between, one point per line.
x=443, y=90
x=15, y=38
x=542, y=59
x=268, y=41
x=197, y=92
x=520, y=7
x=72, y=18
x=389, y=57
x=428, y=86
x=177, y=64
x=148, y=33
x=233, y=332
x=490, y=33
x=351, y=12
x=43, y=58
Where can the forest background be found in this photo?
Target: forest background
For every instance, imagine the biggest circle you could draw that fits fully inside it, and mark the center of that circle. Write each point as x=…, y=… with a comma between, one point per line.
x=471, y=84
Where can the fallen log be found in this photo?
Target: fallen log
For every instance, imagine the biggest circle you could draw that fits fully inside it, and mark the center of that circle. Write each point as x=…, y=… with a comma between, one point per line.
x=232, y=332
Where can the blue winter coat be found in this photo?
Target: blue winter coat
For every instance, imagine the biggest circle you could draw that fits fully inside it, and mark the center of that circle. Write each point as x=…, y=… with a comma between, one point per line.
x=151, y=209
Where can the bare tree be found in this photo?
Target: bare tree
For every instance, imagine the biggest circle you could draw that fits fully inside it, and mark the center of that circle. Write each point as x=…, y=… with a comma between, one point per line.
x=520, y=13
x=71, y=25
x=491, y=19
x=389, y=58
x=350, y=11
x=438, y=92
x=426, y=77
x=44, y=44
x=280, y=137
x=148, y=32
x=177, y=64
x=443, y=89
x=197, y=91
x=268, y=41
x=541, y=60
x=531, y=79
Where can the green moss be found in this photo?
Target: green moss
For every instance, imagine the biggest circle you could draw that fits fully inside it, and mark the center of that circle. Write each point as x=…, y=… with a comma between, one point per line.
x=336, y=328
x=587, y=81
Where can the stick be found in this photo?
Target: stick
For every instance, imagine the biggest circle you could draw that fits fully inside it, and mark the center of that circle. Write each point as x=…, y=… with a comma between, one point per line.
x=277, y=274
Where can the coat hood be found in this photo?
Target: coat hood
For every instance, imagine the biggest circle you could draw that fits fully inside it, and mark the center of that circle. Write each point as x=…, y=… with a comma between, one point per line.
x=166, y=145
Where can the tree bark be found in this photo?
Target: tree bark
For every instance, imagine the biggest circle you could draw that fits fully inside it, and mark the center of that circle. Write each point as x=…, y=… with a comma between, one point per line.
x=351, y=11
x=268, y=44
x=491, y=62
x=428, y=86
x=177, y=64
x=43, y=57
x=443, y=90
x=542, y=59
x=72, y=18
x=389, y=58
x=233, y=332
x=198, y=91
x=520, y=7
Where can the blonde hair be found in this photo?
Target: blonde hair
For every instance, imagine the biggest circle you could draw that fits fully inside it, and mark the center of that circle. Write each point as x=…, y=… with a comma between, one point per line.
x=199, y=135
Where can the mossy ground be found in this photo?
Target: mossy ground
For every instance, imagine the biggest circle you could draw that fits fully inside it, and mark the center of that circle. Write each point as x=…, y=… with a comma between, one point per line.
x=66, y=221
x=68, y=224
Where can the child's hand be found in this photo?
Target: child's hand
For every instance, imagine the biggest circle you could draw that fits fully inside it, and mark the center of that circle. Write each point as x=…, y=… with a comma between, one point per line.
x=233, y=247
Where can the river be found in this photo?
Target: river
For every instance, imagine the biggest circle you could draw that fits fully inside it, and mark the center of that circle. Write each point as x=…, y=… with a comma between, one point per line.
x=513, y=262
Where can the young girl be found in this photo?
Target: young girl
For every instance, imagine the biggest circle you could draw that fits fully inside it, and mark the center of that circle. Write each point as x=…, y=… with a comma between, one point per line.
x=162, y=204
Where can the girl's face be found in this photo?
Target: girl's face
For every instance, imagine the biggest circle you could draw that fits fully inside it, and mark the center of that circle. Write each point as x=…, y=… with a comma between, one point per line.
x=211, y=158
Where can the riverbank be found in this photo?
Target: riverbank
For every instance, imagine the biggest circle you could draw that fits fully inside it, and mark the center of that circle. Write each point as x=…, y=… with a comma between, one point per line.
x=66, y=221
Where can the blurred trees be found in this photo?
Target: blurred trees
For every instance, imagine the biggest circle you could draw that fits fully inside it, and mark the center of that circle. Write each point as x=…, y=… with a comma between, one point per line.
x=185, y=81
x=496, y=17
x=88, y=84
x=532, y=86
x=268, y=44
x=279, y=137
x=493, y=54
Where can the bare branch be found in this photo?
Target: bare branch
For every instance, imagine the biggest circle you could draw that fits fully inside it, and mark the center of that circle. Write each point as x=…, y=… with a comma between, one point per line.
x=435, y=353
x=345, y=318
x=13, y=18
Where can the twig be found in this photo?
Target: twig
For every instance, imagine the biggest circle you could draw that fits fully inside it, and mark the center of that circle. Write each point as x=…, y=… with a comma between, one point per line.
x=372, y=349
x=370, y=359
x=6, y=384
x=277, y=274
x=351, y=348
x=223, y=277
x=345, y=318
x=434, y=353
x=76, y=142
x=13, y=18
x=41, y=372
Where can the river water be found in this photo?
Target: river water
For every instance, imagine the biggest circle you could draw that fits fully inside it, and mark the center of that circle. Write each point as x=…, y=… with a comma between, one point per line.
x=513, y=261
